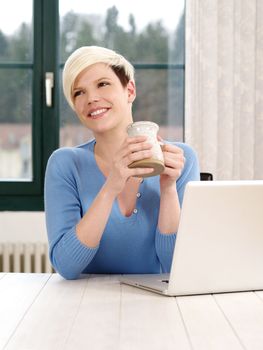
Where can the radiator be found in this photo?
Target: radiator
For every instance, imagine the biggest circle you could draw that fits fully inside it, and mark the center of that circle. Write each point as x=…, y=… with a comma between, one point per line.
x=24, y=257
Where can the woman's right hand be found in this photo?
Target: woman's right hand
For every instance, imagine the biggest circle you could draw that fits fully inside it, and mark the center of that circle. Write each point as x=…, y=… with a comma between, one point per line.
x=133, y=149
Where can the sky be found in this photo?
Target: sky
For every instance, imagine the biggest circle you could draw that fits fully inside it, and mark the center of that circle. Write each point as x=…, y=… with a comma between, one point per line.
x=166, y=10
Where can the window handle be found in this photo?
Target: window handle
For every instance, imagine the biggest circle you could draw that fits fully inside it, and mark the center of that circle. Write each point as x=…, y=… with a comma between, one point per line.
x=49, y=86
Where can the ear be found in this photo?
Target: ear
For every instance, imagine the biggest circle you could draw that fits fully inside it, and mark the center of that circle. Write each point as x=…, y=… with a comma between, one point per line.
x=131, y=91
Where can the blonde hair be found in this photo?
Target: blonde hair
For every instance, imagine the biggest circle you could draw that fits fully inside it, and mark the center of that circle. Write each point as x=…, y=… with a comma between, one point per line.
x=86, y=56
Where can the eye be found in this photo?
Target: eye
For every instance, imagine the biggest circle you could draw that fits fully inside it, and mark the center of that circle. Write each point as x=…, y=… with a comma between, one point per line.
x=78, y=93
x=103, y=83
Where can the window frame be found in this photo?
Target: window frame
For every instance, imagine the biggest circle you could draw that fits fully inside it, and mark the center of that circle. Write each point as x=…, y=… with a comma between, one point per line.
x=29, y=195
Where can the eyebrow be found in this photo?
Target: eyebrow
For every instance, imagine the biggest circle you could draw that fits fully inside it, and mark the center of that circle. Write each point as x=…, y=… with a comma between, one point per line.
x=96, y=81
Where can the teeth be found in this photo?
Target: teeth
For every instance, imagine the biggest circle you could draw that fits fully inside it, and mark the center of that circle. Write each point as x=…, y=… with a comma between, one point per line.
x=99, y=111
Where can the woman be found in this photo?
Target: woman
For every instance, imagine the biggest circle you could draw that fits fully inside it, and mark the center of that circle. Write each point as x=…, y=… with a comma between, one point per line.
x=101, y=216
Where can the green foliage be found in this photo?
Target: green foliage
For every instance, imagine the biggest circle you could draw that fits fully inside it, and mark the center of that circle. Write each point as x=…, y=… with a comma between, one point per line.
x=178, y=52
x=3, y=45
x=16, y=84
x=15, y=96
x=20, y=44
x=151, y=45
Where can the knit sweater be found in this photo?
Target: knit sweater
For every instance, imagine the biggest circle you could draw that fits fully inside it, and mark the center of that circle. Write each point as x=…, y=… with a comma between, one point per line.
x=131, y=244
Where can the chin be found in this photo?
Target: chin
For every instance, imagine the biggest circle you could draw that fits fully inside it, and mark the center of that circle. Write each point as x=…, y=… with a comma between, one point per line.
x=99, y=128
x=102, y=125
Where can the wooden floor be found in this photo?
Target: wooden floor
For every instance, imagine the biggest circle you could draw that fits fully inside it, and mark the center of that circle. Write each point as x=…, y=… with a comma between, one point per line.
x=43, y=311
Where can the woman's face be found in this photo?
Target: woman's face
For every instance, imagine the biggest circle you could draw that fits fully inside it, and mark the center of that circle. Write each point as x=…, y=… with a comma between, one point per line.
x=100, y=100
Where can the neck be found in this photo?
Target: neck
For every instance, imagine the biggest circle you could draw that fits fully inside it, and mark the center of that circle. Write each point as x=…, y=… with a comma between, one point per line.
x=106, y=149
x=107, y=144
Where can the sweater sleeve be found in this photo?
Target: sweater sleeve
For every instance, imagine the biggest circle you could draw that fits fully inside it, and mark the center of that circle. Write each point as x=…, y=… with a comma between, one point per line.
x=165, y=243
x=68, y=255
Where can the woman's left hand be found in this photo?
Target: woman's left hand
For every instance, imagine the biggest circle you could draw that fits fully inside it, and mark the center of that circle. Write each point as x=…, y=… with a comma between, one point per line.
x=174, y=163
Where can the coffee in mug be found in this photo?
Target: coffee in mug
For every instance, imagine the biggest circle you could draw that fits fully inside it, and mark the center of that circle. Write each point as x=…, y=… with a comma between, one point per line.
x=150, y=130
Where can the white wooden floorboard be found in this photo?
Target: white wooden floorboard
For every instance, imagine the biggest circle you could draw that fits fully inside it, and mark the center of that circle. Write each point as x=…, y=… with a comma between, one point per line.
x=47, y=324
x=206, y=325
x=17, y=293
x=245, y=313
x=260, y=294
x=96, y=325
x=46, y=312
x=2, y=274
x=150, y=321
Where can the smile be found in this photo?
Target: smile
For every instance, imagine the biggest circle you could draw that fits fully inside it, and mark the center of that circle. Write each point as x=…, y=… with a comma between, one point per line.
x=98, y=113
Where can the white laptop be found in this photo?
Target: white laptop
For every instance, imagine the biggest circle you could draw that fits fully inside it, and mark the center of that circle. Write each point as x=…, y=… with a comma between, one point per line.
x=219, y=244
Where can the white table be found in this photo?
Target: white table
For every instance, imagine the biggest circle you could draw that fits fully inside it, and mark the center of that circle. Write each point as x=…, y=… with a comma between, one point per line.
x=43, y=311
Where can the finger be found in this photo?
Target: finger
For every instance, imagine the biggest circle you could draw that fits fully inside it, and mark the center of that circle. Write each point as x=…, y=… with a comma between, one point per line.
x=172, y=172
x=141, y=146
x=133, y=144
x=132, y=157
x=169, y=156
x=174, y=163
x=176, y=156
x=134, y=139
x=172, y=148
x=137, y=172
x=133, y=148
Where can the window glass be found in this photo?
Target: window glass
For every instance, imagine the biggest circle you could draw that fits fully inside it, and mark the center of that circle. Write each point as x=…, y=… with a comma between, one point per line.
x=16, y=47
x=153, y=41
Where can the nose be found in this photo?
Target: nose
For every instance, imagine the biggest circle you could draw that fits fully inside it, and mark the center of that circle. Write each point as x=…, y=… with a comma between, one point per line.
x=92, y=97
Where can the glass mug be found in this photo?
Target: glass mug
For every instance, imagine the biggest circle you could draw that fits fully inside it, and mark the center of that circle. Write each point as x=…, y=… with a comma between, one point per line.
x=150, y=130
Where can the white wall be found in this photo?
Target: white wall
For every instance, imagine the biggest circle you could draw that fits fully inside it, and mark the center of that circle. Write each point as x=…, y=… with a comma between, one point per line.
x=22, y=226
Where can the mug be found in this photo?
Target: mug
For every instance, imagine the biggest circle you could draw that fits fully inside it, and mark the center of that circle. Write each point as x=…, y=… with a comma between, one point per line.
x=150, y=130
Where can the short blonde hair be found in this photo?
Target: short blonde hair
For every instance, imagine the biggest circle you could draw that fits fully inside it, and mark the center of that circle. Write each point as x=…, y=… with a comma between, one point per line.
x=86, y=56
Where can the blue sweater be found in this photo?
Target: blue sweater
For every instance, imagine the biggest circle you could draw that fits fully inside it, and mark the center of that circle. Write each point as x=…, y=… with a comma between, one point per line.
x=129, y=244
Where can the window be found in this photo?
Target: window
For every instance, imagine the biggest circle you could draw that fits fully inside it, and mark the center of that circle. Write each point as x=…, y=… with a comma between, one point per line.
x=34, y=46
x=152, y=40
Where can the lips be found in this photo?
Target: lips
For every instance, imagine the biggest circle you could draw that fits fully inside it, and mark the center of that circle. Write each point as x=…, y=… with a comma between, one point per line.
x=97, y=113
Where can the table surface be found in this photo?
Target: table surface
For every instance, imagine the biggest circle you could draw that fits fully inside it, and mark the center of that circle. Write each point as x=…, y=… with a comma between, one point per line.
x=44, y=311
